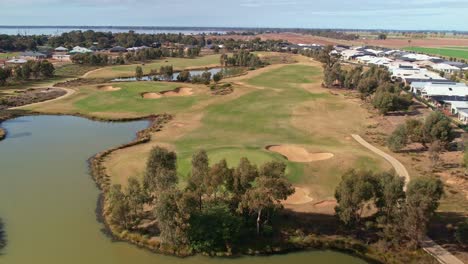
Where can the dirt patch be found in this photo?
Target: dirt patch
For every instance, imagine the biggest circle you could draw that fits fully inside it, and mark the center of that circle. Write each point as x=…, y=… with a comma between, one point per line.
x=108, y=88
x=298, y=154
x=26, y=97
x=151, y=95
x=300, y=196
x=178, y=92
x=170, y=93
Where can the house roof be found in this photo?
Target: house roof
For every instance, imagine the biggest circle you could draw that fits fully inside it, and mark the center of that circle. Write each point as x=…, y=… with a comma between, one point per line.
x=32, y=54
x=444, y=66
x=79, y=49
x=61, y=49
x=17, y=61
x=118, y=49
x=445, y=89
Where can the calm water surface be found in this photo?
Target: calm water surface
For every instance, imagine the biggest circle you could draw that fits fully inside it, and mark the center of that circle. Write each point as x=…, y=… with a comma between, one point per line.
x=48, y=199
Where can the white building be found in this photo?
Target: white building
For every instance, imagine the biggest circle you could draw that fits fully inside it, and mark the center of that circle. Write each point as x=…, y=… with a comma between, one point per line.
x=445, y=68
x=79, y=49
x=463, y=115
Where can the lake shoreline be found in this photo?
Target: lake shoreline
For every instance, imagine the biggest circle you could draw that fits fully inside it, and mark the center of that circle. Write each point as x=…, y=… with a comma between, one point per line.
x=97, y=171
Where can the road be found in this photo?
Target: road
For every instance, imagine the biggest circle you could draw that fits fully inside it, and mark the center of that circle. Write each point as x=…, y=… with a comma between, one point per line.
x=428, y=245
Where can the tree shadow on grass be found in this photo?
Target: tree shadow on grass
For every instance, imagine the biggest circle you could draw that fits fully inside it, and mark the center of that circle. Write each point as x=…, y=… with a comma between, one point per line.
x=442, y=230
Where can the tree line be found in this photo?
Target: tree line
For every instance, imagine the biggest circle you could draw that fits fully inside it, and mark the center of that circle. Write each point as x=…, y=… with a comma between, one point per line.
x=130, y=57
x=242, y=58
x=36, y=70
x=374, y=84
x=435, y=129
x=219, y=209
x=400, y=218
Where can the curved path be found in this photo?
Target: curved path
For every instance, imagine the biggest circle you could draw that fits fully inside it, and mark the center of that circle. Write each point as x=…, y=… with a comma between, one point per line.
x=68, y=93
x=428, y=245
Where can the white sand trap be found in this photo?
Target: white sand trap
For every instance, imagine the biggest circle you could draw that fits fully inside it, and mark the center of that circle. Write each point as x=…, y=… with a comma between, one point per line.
x=151, y=95
x=178, y=92
x=299, y=154
x=300, y=196
x=108, y=88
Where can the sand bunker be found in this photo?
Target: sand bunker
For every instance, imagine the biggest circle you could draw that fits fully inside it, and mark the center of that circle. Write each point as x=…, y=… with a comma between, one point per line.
x=171, y=93
x=300, y=196
x=299, y=154
x=108, y=88
x=178, y=92
x=151, y=95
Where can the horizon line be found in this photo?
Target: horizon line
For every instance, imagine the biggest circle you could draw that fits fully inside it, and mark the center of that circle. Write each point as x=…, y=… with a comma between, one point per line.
x=197, y=28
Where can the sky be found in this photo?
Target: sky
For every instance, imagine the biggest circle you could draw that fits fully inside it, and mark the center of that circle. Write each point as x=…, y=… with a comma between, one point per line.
x=361, y=14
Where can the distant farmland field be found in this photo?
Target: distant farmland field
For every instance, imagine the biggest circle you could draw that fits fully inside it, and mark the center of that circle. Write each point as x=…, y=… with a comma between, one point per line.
x=455, y=52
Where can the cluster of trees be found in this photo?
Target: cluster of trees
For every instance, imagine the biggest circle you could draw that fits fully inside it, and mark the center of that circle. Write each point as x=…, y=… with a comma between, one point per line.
x=242, y=58
x=435, y=129
x=374, y=84
x=90, y=59
x=21, y=43
x=218, y=209
x=401, y=217
x=42, y=69
x=129, y=57
x=204, y=78
x=106, y=40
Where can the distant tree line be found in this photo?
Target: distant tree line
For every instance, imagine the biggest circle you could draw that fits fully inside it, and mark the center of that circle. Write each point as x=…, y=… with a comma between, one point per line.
x=138, y=56
x=31, y=70
x=242, y=58
x=219, y=209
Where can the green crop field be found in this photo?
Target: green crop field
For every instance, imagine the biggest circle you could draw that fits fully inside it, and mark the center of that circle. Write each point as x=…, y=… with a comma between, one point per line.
x=455, y=52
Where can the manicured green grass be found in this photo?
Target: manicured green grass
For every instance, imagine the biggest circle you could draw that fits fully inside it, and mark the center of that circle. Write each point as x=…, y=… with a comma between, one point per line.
x=73, y=70
x=177, y=63
x=8, y=55
x=460, y=53
x=129, y=99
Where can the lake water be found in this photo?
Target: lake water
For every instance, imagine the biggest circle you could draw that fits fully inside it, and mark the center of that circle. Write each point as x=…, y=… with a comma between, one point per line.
x=226, y=72
x=48, y=199
x=55, y=31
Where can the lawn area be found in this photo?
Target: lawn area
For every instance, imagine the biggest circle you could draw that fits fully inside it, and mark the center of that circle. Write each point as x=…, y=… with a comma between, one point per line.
x=276, y=105
x=244, y=123
x=178, y=63
x=455, y=52
x=8, y=55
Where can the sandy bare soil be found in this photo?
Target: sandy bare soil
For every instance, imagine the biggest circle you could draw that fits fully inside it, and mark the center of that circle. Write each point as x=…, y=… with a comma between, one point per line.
x=171, y=93
x=178, y=92
x=300, y=196
x=151, y=95
x=108, y=88
x=299, y=154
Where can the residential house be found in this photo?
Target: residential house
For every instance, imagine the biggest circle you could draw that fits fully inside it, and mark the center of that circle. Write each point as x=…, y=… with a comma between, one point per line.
x=463, y=115
x=79, y=49
x=32, y=55
x=16, y=61
x=61, y=49
x=117, y=49
x=444, y=67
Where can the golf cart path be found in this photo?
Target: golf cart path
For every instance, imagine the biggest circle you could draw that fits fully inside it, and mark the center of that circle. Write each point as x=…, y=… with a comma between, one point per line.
x=428, y=245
